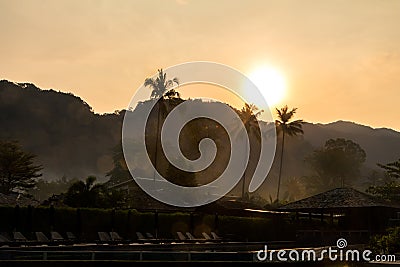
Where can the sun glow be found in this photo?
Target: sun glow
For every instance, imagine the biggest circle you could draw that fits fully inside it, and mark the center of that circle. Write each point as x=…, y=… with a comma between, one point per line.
x=270, y=82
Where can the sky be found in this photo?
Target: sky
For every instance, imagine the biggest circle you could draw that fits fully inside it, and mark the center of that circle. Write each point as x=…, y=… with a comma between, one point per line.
x=340, y=59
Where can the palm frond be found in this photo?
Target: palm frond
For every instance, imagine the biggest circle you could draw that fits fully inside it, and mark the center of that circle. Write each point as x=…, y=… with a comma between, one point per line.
x=150, y=82
x=284, y=115
x=278, y=111
x=160, y=85
x=168, y=84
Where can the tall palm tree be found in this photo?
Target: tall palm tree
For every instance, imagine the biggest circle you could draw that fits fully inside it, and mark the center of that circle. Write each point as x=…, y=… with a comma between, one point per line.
x=160, y=86
x=284, y=125
x=249, y=114
x=160, y=90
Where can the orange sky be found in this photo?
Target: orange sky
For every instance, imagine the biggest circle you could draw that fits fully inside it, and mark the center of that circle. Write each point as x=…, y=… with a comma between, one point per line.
x=341, y=59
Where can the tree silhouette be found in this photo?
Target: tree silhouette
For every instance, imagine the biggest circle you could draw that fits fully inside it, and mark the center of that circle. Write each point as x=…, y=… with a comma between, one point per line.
x=17, y=169
x=83, y=193
x=91, y=195
x=249, y=114
x=337, y=164
x=294, y=188
x=119, y=173
x=392, y=169
x=160, y=86
x=44, y=189
x=160, y=90
x=391, y=189
x=284, y=125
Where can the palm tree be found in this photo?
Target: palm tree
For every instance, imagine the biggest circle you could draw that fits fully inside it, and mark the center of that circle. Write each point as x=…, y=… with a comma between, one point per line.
x=294, y=188
x=160, y=90
x=249, y=114
x=83, y=193
x=287, y=128
x=160, y=86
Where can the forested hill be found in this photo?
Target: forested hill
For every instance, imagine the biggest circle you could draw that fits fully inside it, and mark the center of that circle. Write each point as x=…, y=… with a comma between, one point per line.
x=71, y=140
x=68, y=137
x=381, y=144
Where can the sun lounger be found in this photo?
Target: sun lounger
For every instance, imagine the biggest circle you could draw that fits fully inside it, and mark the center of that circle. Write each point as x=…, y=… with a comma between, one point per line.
x=181, y=236
x=212, y=237
x=149, y=238
x=71, y=236
x=115, y=236
x=104, y=236
x=149, y=235
x=195, y=239
x=19, y=237
x=4, y=239
x=206, y=236
x=191, y=237
x=55, y=236
x=140, y=236
x=41, y=237
x=215, y=236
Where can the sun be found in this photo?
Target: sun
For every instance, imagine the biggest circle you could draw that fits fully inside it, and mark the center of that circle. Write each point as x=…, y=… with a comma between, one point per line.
x=270, y=82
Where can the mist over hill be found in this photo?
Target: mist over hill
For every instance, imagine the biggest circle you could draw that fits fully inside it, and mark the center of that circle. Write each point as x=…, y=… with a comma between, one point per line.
x=381, y=144
x=68, y=137
x=71, y=140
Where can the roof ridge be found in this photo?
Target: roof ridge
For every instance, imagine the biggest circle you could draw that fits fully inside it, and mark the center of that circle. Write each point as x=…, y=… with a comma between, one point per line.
x=340, y=197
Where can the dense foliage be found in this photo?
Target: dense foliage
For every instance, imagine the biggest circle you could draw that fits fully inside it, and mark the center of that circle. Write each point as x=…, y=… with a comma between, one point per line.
x=390, y=190
x=387, y=243
x=88, y=194
x=337, y=164
x=18, y=172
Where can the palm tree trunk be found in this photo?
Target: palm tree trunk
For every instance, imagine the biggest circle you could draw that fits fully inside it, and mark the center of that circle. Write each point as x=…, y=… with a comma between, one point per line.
x=244, y=175
x=280, y=167
x=157, y=133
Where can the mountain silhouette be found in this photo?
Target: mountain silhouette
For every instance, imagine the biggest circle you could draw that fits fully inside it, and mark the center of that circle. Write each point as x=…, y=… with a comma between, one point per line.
x=71, y=140
x=61, y=129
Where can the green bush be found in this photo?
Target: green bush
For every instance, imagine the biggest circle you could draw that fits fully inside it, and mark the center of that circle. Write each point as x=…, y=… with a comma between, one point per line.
x=387, y=243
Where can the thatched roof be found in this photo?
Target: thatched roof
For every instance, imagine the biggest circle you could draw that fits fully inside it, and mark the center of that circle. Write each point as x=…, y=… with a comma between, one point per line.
x=337, y=199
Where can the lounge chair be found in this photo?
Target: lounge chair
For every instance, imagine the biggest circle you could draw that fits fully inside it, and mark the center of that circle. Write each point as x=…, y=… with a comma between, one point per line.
x=181, y=236
x=206, y=236
x=149, y=235
x=115, y=236
x=41, y=238
x=215, y=236
x=55, y=236
x=19, y=237
x=4, y=239
x=71, y=236
x=104, y=236
x=149, y=238
x=195, y=239
x=140, y=236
